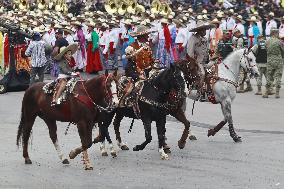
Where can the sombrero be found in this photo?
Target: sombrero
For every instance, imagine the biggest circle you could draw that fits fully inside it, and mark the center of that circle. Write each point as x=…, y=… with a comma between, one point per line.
x=202, y=26
x=73, y=48
x=215, y=21
x=252, y=19
x=141, y=30
x=179, y=22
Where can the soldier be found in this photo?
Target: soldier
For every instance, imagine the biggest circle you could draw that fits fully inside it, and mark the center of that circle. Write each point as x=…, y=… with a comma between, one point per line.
x=260, y=53
x=275, y=52
x=225, y=46
x=238, y=39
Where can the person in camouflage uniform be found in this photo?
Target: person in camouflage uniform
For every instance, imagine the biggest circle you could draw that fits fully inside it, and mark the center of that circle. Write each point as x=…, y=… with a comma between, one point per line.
x=275, y=53
x=260, y=53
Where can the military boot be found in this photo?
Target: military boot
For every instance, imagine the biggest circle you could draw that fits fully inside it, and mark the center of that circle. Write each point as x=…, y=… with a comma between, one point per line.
x=258, y=91
x=241, y=89
x=277, y=93
x=249, y=87
x=271, y=91
x=265, y=95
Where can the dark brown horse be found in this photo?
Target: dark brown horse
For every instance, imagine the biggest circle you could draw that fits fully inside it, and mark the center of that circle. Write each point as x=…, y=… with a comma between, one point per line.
x=83, y=108
x=174, y=109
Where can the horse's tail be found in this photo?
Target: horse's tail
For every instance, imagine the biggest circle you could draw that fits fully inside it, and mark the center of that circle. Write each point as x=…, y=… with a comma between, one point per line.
x=20, y=128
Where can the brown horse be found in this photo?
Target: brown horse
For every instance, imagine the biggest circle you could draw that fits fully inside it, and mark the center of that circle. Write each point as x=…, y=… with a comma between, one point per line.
x=82, y=108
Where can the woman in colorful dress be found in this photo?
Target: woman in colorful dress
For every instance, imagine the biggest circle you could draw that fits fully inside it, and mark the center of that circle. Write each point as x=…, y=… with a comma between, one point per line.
x=80, y=56
x=94, y=64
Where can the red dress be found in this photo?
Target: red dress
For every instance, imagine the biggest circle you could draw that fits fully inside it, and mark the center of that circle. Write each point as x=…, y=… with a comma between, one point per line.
x=94, y=63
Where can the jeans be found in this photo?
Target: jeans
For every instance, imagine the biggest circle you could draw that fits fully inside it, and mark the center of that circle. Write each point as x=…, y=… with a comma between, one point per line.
x=39, y=71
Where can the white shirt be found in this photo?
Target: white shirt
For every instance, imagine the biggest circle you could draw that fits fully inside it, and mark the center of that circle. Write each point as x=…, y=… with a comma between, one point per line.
x=230, y=23
x=270, y=24
x=281, y=31
x=259, y=25
x=250, y=31
x=240, y=27
x=104, y=40
x=223, y=25
x=182, y=36
x=69, y=38
x=114, y=36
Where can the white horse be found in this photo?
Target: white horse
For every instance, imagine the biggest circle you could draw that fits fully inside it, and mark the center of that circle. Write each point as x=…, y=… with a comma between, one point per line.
x=225, y=88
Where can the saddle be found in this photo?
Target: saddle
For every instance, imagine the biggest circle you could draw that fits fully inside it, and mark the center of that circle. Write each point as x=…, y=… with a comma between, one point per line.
x=131, y=99
x=52, y=87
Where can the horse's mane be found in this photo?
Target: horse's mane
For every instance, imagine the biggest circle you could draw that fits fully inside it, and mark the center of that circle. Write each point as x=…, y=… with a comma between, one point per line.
x=232, y=54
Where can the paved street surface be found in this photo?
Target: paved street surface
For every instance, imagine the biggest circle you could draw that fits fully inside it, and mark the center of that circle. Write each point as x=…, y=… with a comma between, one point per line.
x=208, y=163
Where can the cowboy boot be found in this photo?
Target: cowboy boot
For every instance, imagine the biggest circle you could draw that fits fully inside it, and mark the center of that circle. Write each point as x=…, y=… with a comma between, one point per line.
x=258, y=91
x=265, y=95
x=249, y=87
x=241, y=89
x=277, y=93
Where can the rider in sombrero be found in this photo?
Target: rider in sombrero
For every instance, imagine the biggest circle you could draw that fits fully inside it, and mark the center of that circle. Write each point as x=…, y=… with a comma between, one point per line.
x=140, y=60
x=65, y=71
x=197, y=49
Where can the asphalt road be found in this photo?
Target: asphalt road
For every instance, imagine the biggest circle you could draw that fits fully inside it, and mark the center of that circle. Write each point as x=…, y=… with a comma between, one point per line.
x=213, y=163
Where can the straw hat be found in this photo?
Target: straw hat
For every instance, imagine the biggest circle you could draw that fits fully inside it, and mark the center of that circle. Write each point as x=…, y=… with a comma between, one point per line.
x=76, y=23
x=215, y=21
x=179, y=22
x=38, y=30
x=202, y=26
x=164, y=21
x=252, y=19
x=73, y=48
x=140, y=30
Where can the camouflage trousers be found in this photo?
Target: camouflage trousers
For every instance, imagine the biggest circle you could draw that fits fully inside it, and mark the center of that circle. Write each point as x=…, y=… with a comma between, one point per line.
x=262, y=68
x=243, y=76
x=274, y=73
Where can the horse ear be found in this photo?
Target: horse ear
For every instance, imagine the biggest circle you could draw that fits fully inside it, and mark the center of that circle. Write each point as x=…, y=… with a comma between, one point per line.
x=106, y=72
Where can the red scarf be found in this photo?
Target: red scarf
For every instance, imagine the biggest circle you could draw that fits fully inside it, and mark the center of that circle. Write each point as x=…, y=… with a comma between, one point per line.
x=168, y=39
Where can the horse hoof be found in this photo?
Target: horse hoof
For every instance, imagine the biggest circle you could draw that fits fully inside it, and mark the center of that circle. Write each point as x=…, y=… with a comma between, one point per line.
x=181, y=144
x=28, y=161
x=65, y=161
x=113, y=154
x=238, y=139
x=192, y=137
x=165, y=157
x=167, y=151
x=104, y=154
x=72, y=154
x=136, y=148
x=89, y=168
x=124, y=147
x=211, y=132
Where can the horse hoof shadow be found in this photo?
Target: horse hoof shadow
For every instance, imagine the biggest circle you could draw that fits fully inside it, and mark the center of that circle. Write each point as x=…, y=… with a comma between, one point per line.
x=89, y=168
x=192, y=137
x=28, y=162
x=124, y=147
x=113, y=154
x=65, y=162
x=104, y=154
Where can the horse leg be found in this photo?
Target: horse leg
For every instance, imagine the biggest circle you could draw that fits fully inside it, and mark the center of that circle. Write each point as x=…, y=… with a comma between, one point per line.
x=52, y=127
x=107, y=136
x=116, y=124
x=226, y=108
x=85, y=133
x=148, y=136
x=160, y=124
x=27, y=128
x=212, y=132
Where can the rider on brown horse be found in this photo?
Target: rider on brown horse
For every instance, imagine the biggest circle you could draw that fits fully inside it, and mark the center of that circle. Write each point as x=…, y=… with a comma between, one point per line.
x=140, y=60
x=65, y=71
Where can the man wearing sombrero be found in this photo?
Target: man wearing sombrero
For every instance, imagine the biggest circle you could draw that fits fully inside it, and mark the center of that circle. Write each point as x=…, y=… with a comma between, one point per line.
x=139, y=57
x=197, y=49
x=271, y=23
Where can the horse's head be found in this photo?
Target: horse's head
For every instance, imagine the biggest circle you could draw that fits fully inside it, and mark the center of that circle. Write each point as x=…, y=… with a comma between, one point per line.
x=189, y=69
x=248, y=62
x=111, y=83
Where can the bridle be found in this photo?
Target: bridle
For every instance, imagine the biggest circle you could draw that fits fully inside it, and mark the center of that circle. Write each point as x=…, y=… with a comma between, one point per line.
x=248, y=66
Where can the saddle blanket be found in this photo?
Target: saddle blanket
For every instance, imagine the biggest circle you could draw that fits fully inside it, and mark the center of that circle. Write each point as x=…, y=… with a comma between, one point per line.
x=50, y=88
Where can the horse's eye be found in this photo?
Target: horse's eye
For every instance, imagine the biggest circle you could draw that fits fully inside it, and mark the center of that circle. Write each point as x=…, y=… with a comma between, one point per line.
x=250, y=59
